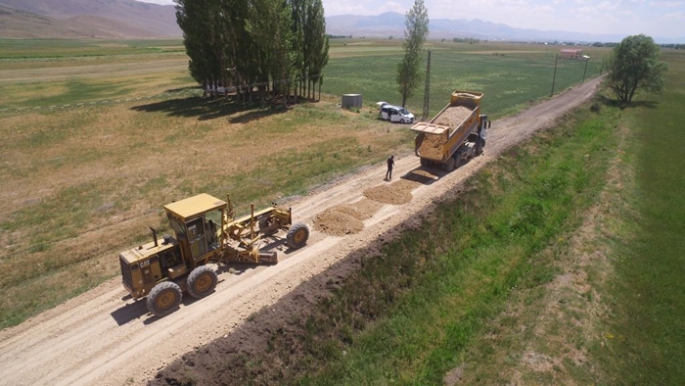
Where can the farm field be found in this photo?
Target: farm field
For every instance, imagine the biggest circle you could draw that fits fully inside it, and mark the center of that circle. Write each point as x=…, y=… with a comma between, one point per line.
x=511, y=75
x=33, y=75
x=84, y=182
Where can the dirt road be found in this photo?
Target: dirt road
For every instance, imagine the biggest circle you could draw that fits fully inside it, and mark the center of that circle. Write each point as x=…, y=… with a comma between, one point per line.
x=100, y=339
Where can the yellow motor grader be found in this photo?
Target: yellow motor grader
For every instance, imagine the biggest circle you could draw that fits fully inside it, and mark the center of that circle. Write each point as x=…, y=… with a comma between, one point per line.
x=205, y=231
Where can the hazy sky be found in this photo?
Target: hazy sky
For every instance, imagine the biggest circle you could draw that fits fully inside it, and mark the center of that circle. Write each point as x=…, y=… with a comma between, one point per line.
x=664, y=18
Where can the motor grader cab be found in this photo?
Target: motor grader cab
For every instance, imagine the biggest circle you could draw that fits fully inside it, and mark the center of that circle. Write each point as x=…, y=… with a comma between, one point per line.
x=204, y=230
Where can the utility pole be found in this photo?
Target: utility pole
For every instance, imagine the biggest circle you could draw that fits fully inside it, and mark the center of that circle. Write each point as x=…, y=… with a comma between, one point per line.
x=555, y=75
x=426, y=92
x=585, y=71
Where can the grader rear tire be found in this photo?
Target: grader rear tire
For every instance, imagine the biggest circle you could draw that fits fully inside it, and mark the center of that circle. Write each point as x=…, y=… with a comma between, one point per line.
x=164, y=298
x=297, y=236
x=201, y=282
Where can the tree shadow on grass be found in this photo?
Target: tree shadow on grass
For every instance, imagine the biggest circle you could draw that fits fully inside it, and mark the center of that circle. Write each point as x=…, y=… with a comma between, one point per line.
x=616, y=103
x=207, y=109
x=187, y=88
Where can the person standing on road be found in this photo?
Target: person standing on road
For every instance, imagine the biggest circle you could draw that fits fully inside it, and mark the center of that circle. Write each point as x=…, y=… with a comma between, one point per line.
x=391, y=163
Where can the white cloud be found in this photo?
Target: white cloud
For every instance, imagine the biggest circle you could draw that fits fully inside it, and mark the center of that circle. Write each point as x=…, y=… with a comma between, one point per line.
x=674, y=16
x=392, y=6
x=667, y=4
x=653, y=17
x=345, y=8
x=161, y=2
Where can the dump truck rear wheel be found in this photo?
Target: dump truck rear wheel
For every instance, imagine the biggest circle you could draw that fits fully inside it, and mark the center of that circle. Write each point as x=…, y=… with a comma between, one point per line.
x=451, y=164
x=164, y=298
x=297, y=236
x=201, y=282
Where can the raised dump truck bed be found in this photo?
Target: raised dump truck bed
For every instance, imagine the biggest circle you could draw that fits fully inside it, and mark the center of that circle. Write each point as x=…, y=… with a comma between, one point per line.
x=444, y=140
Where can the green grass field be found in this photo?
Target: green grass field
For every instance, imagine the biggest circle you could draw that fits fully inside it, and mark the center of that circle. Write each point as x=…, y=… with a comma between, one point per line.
x=36, y=49
x=510, y=80
x=648, y=292
x=512, y=76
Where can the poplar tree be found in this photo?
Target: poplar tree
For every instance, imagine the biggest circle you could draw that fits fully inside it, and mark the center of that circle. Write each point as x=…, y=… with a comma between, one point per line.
x=409, y=69
x=203, y=64
x=317, y=46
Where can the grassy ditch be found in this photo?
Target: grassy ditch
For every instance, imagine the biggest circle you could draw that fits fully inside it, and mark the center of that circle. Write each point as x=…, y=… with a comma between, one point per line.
x=409, y=315
x=470, y=257
x=645, y=334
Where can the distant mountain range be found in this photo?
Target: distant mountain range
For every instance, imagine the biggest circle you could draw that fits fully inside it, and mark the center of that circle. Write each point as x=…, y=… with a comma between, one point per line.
x=392, y=24
x=104, y=19
x=128, y=19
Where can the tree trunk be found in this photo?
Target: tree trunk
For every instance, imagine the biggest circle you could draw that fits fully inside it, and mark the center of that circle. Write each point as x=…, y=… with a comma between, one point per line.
x=286, y=93
x=632, y=91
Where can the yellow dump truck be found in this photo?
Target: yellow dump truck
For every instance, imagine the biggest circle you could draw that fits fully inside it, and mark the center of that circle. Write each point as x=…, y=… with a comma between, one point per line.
x=455, y=135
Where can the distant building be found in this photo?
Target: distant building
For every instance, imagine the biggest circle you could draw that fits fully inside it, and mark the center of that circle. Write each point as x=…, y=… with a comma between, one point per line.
x=570, y=53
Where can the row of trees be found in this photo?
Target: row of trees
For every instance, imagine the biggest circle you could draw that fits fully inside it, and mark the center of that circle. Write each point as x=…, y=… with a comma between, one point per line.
x=278, y=45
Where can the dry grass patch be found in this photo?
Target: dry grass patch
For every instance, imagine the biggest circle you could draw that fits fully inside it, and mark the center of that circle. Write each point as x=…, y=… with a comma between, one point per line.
x=81, y=185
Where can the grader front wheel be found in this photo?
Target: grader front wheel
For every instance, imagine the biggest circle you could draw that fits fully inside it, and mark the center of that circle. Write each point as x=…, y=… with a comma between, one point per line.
x=201, y=282
x=164, y=298
x=297, y=236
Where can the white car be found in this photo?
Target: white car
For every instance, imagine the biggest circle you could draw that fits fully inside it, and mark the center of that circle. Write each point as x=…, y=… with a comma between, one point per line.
x=219, y=90
x=394, y=113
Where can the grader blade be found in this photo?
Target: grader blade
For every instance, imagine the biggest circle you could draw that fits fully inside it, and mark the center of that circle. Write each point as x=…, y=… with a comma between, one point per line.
x=263, y=257
x=268, y=257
